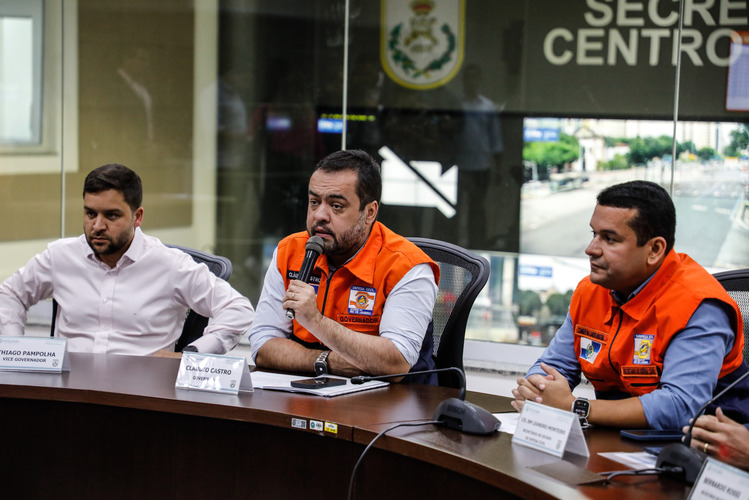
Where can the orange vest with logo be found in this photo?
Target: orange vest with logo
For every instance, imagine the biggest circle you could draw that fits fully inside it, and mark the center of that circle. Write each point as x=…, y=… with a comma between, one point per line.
x=354, y=294
x=621, y=348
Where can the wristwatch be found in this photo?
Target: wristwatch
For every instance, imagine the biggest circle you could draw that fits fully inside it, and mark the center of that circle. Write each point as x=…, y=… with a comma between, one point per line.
x=190, y=348
x=581, y=408
x=321, y=364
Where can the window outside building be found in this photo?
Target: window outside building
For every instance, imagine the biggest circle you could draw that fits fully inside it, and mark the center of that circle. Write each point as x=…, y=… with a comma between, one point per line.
x=496, y=123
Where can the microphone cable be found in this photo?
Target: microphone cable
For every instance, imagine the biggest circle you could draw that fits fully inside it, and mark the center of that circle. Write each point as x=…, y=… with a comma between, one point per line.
x=638, y=472
x=378, y=436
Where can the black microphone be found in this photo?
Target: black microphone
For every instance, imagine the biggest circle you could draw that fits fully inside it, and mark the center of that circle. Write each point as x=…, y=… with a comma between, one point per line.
x=312, y=251
x=684, y=461
x=454, y=413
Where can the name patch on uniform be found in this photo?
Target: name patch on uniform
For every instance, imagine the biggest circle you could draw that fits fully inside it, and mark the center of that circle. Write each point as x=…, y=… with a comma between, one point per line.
x=643, y=347
x=360, y=320
x=589, y=349
x=640, y=371
x=313, y=280
x=585, y=331
x=361, y=300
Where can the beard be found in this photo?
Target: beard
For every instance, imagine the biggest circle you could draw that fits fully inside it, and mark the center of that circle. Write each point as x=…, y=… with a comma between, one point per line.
x=347, y=243
x=113, y=245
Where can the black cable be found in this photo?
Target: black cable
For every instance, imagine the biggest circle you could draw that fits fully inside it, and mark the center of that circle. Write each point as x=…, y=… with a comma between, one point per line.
x=637, y=472
x=688, y=436
x=378, y=436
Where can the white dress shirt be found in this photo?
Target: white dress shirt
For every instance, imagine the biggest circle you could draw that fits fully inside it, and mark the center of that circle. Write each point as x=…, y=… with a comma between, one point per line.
x=138, y=307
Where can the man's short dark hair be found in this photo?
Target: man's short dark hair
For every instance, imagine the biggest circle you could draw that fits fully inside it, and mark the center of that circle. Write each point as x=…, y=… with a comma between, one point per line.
x=118, y=177
x=656, y=215
x=369, y=181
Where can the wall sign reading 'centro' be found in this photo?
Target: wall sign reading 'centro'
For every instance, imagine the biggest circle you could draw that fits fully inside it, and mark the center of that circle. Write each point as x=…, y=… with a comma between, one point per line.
x=626, y=31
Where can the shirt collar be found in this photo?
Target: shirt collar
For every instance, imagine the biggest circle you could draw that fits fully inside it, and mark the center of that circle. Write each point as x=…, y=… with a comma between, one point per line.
x=637, y=303
x=621, y=299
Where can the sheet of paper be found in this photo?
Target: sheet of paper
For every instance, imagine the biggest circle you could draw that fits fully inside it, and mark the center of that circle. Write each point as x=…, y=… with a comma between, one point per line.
x=635, y=460
x=282, y=382
x=509, y=421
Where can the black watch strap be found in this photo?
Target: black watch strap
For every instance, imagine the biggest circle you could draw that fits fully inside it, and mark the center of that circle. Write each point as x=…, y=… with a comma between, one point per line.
x=321, y=364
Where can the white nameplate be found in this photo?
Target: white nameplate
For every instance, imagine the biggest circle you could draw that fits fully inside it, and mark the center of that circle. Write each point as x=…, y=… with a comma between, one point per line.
x=719, y=481
x=34, y=354
x=211, y=372
x=550, y=430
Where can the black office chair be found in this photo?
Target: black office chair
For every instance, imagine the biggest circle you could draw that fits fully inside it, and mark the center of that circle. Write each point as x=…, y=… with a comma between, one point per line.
x=194, y=322
x=736, y=283
x=462, y=276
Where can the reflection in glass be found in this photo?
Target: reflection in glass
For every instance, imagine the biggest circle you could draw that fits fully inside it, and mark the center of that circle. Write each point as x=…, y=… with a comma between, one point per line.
x=19, y=119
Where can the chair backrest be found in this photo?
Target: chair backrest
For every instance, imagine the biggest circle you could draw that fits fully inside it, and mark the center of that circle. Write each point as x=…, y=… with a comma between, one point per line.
x=736, y=283
x=218, y=265
x=194, y=322
x=462, y=276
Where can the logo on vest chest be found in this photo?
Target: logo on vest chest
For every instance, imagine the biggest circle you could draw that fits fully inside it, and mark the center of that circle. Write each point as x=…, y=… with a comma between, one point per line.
x=591, y=342
x=589, y=349
x=643, y=348
x=361, y=300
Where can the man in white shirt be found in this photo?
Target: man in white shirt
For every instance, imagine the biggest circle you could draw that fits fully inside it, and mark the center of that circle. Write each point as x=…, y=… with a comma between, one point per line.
x=118, y=290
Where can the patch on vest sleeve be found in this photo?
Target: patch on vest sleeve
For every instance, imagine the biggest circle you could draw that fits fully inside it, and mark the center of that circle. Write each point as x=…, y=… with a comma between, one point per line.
x=589, y=349
x=639, y=371
x=361, y=300
x=643, y=347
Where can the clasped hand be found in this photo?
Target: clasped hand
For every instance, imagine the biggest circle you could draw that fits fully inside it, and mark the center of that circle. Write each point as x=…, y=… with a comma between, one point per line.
x=551, y=389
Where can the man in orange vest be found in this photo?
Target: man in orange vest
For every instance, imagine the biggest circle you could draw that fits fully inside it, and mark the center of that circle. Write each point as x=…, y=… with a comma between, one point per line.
x=367, y=308
x=650, y=328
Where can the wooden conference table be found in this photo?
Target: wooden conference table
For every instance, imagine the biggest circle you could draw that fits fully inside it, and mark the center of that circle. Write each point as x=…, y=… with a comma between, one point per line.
x=116, y=427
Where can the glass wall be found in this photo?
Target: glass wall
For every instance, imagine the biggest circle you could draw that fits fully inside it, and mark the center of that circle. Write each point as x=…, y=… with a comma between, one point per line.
x=496, y=122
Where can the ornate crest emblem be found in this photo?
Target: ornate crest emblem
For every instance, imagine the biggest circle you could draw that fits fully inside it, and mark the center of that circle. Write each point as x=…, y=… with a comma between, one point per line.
x=421, y=44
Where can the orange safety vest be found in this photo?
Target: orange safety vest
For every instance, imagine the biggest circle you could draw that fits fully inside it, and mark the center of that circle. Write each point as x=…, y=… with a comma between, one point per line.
x=354, y=294
x=621, y=347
